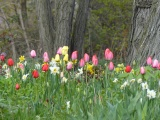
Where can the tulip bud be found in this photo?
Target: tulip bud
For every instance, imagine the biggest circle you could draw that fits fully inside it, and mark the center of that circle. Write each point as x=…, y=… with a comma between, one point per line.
x=111, y=66
x=149, y=61
x=17, y=86
x=95, y=60
x=108, y=54
x=35, y=74
x=33, y=53
x=74, y=55
x=155, y=63
x=81, y=63
x=59, y=51
x=10, y=62
x=86, y=57
x=69, y=65
x=142, y=70
x=128, y=69
x=57, y=58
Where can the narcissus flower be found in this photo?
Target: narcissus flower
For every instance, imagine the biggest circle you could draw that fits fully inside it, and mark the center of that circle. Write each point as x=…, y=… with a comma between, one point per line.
x=17, y=86
x=10, y=62
x=54, y=70
x=128, y=69
x=21, y=58
x=95, y=60
x=45, y=67
x=35, y=74
x=151, y=94
x=33, y=53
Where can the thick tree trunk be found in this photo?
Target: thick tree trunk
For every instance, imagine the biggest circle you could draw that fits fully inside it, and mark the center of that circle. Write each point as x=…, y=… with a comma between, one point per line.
x=46, y=26
x=24, y=12
x=80, y=27
x=64, y=10
x=145, y=37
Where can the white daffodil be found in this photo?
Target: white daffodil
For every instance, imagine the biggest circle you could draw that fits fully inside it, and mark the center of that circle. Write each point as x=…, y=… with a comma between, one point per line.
x=24, y=77
x=139, y=80
x=68, y=104
x=115, y=80
x=151, y=94
x=64, y=80
x=132, y=80
x=54, y=70
x=144, y=86
x=53, y=63
x=124, y=85
x=37, y=66
x=80, y=71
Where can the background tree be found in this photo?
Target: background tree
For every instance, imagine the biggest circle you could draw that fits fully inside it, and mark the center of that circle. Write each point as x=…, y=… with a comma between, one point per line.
x=145, y=37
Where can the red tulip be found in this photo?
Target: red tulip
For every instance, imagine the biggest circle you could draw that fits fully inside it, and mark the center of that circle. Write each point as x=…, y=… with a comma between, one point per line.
x=10, y=62
x=149, y=61
x=95, y=60
x=81, y=62
x=33, y=53
x=45, y=67
x=142, y=70
x=108, y=54
x=35, y=74
x=128, y=69
x=2, y=57
x=111, y=66
x=69, y=65
x=74, y=55
x=86, y=57
x=17, y=86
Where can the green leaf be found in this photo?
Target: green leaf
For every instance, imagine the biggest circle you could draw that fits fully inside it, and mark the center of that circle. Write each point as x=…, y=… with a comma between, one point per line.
x=123, y=75
x=144, y=112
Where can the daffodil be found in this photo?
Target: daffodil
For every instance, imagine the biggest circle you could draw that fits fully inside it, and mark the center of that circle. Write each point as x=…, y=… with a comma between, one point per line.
x=54, y=70
x=21, y=58
x=89, y=68
x=24, y=77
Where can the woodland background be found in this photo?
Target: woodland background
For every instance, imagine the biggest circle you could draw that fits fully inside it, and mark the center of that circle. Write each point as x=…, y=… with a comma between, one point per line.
x=108, y=23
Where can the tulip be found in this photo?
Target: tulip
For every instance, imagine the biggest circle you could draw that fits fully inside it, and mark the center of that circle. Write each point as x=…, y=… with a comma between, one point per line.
x=17, y=86
x=69, y=65
x=94, y=60
x=74, y=55
x=10, y=62
x=45, y=67
x=2, y=57
x=45, y=57
x=82, y=62
x=86, y=57
x=155, y=63
x=33, y=53
x=108, y=54
x=59, y=51
x=65, y=57
x=142, y=70
x=65, y=50
x=128, y=69
x=57, y=58
x=111, y=66
x=149, y=61
x=158, y=66
x=35, y=74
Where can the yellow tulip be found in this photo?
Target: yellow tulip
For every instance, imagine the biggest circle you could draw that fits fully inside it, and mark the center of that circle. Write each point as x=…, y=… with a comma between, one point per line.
x=65, y=57
x=65, y=50
x=57, y=58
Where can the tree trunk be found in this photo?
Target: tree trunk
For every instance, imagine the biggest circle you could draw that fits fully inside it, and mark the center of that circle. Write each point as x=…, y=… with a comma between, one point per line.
x=46, y=26
x=24, y=12
x=64, y=10
x=145, y=36
x=80, y=27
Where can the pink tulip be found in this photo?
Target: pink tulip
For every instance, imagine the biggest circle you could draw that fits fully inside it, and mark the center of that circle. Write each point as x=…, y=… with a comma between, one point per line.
x=69, y=65
x=45, y=57
x=158, y=66
x=108, y=54
x=59, y=51
x=155, y=63
x=33, y=53
x=81, y=62
x=149, y=61
x=111, y=66
x=86, y=57
x=74, y=55
x=142, y=70
x=94, y=60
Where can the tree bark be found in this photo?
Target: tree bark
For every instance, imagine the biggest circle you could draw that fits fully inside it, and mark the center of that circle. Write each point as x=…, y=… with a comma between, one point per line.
x=64, y=10
x=145, y=38
x=80, y=27
x=46, y=26
x=24, y=12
